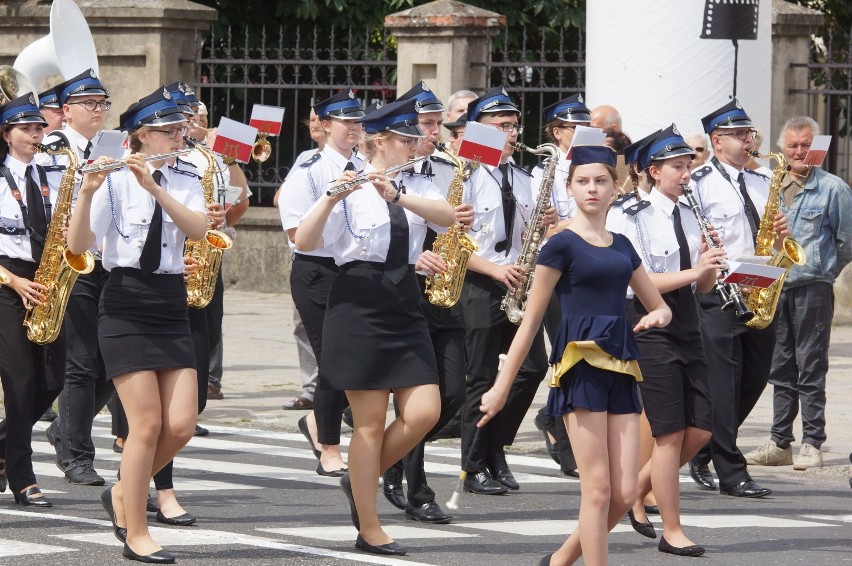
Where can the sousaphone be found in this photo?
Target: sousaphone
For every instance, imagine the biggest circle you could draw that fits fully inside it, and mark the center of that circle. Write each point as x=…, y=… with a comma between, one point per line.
x=67, y=50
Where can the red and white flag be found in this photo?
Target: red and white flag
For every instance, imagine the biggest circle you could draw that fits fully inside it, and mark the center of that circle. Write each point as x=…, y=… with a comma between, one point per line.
x=267, y=119
x=818, y=151
x=585, y=135
x=482, y=143
x=234, y=140
x=752, y=274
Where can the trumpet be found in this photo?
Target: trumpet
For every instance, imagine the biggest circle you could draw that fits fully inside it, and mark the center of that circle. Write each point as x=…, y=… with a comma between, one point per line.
x=123, y=162
x=364, y=178
x=729, y=293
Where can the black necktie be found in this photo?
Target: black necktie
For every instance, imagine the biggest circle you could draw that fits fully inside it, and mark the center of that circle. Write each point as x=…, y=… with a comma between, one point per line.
x=149, y=260
x=88, y=151
x=396, y=263
x=751, y=213
x=508, y=209
x=35, y=209
x=685, y=262
x=349, y=166
x=426, y=169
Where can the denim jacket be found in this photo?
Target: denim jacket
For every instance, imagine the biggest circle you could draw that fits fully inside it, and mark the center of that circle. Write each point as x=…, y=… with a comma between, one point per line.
x=821, y=221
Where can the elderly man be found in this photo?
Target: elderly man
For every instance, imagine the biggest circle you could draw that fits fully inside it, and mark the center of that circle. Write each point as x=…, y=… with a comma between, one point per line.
x=457, y=104
x=700, y=145
x=607, y=119
x=819, y=206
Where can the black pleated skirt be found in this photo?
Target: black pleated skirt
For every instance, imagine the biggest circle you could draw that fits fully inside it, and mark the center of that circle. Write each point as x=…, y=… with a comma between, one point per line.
x=143, y=323
x=375, y=335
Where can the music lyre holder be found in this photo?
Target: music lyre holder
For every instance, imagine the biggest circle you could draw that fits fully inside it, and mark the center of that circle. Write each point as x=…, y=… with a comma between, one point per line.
x=734, y=20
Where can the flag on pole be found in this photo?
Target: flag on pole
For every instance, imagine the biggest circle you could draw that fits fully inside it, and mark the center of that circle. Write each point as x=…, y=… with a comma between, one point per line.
x=818, y=151
x=482, y=143
x=234, y=140
x=267, y=119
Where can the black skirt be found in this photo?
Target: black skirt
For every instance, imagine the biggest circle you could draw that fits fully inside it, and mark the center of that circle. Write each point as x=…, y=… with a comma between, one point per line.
x=375, y=335
x=143, y=323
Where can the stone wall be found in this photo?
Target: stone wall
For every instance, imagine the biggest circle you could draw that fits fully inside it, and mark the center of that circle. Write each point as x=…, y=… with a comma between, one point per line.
x=260, y=258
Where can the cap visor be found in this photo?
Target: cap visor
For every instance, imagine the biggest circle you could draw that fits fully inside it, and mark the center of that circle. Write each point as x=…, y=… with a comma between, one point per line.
x=432, y=107
x=168, y=119
x=412, y=131
x=503, y=107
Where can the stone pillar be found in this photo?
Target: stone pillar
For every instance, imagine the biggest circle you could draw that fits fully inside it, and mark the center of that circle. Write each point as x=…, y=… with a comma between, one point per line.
x=439, y=43
x=140, y=45
x=792, y=26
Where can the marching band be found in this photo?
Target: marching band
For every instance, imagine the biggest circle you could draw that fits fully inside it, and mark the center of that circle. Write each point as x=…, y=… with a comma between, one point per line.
x=626, y=286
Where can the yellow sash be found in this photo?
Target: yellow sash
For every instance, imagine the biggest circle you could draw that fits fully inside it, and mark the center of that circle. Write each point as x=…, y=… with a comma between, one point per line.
x=588, y=350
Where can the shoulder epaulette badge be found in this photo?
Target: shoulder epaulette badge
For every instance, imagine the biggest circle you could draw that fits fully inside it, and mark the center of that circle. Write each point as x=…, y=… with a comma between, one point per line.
x=699, y=174
x=314, y=158
x=623, y=199
x=634, y=209
x=756, y=173
x=53, y=168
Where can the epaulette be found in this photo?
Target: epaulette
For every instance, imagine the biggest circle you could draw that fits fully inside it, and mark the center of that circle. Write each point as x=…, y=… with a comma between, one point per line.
x=314, y=158
x=437, y=159
x=623, y=198
x=186, y=163
x=194, y=174
x=53, y=168
x=521, y=169
x=699, y=174
x=634, y=209
x=756, y=173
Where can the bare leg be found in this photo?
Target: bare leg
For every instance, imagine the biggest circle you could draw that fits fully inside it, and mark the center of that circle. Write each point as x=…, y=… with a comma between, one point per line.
x=646, y=448
x=330, y=456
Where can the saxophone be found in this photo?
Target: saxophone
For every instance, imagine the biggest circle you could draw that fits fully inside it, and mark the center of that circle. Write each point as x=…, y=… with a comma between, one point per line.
x=454, y=246
x=201, y=284
x=762, y=302
x=515, y=303
x=58, y=268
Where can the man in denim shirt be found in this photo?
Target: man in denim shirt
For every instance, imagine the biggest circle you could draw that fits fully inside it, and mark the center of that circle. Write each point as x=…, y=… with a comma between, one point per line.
x=819, y=208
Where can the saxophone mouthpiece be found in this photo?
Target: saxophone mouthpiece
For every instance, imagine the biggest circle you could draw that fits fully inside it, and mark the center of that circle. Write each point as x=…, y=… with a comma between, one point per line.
x=753, y=152
x=441, y=146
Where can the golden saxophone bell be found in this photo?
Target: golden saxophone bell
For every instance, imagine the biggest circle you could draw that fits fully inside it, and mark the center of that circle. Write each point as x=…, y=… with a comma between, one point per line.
x=262, y=149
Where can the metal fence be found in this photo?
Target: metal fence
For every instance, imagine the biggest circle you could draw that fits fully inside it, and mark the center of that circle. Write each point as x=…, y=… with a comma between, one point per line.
x=829, y=95
x=296, y=70
x=291, y=71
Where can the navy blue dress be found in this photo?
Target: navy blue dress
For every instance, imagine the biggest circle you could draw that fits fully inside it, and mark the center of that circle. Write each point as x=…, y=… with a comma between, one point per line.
x=594, y=353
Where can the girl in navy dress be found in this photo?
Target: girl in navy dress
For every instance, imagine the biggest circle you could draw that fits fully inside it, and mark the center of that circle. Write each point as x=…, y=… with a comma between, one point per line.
x=594, y=355
x=373, y=323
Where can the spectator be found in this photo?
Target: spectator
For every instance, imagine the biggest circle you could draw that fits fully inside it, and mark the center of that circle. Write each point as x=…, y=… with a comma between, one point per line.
x=701, y=146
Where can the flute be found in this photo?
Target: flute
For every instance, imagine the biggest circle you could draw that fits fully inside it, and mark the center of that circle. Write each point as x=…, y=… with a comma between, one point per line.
x=364, y=178
x=123, y=162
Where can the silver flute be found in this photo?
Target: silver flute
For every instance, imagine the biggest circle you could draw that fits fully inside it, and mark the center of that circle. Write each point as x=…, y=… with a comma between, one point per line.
x=729, y=293
x=364, y=177
x=109, y=166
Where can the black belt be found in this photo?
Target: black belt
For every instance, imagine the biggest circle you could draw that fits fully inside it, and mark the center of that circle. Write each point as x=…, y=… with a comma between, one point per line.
x=319, y=260
x=137, y=273
x=17, y=262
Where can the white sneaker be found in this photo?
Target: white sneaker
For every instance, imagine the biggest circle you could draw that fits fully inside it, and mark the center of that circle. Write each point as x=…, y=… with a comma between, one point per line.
x=809, y=457
x=770, y=455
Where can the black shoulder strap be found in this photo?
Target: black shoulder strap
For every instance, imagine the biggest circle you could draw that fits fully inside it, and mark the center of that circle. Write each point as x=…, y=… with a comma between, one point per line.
x=25, y=216
x=45, y=193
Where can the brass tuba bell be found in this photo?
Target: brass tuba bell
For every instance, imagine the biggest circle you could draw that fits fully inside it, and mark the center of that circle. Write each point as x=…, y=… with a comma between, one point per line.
x=13, y=84
x=262, y=149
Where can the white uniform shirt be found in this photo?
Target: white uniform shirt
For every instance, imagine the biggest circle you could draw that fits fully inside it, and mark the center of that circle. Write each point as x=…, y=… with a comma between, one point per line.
x=488, y=228
x=358, y=228
x=306, y=184
x=420, y=186
x=301, y=158
x=560, y=199
x=651, y=231
x=722, y=204
x=121, y=204
x=18, y=246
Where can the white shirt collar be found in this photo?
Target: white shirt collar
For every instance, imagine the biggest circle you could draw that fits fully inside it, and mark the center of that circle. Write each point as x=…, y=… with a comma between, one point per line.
x=661, y=201
x=335, y=157
x=731, y=170
x=18, y=168
x=76, y=138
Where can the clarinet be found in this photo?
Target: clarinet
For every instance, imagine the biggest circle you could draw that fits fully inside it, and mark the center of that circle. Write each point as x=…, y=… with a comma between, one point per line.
x=729, y=293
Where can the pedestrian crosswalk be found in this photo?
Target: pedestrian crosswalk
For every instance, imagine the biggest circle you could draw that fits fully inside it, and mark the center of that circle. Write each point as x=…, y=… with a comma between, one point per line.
x=240, y=484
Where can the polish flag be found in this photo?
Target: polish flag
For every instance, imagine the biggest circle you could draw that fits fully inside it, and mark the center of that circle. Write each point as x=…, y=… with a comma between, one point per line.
x=234, y=140
x=482, y=143
x=267, y=119
x=818, y=151
x=752, y=274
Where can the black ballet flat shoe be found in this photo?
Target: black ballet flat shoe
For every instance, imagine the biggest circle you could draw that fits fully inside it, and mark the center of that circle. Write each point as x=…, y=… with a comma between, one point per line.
x=645, y=529
x=106, y=501
x=160, y=557
x=330, y=473
x=691, y=550
x=303, y=427
x=546, y=560
x=389, y=549
x=118, y=449
x=652, y=510
x=346, y=486
x=27, y=500
x=184, y=520
x=151, y=504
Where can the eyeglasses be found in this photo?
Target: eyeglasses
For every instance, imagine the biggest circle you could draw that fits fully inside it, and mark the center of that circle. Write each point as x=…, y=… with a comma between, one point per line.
x=699, y=149
x=742, y=135
x=410, y=143
x=508, y=127
x=174, y=132
x=92, y=105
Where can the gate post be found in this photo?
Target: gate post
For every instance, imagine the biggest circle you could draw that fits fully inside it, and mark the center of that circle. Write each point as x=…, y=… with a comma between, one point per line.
x=438, y=43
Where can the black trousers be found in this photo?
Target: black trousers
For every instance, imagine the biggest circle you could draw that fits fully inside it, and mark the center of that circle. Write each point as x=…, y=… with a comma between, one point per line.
x=738, y=359
x=488, y=334
x=800, y=362
x=215, y=313
x=86, y=390
x=31, y=375
x=446, y=329
x=310, y=283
